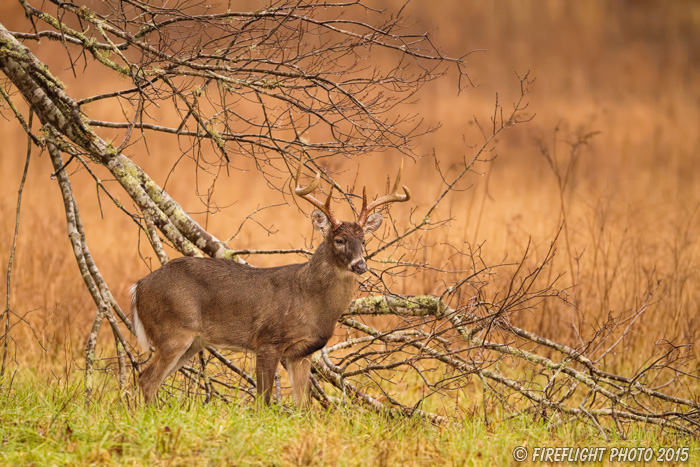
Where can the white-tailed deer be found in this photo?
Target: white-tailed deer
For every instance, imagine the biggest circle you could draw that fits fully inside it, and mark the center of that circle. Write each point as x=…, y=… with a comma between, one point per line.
x=285, y=312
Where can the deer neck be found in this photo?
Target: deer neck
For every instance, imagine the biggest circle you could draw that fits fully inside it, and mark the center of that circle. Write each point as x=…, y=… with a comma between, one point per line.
x=322, y=274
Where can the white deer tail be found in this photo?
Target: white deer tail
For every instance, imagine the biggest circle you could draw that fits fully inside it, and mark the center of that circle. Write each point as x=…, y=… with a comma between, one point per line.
x=138, y=326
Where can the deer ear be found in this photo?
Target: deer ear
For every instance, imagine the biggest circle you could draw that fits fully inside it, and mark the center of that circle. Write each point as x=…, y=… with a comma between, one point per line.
x=320, y=222
x=373, y=222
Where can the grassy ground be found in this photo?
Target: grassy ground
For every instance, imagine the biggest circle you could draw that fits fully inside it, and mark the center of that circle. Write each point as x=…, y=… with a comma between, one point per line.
x=46, y=424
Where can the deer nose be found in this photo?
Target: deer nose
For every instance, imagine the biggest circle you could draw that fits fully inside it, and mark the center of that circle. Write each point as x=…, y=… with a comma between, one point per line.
x=359, y=267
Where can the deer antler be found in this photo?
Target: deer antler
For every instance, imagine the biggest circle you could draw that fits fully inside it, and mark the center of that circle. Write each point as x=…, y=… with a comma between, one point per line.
x=305, y=193
x=394, y=196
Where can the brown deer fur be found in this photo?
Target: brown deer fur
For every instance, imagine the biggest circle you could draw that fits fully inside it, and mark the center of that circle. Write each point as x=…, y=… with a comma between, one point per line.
x=285, y=312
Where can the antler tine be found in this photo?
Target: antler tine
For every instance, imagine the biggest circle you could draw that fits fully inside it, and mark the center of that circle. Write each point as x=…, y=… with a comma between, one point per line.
x=305, y=193
x=364, y=202
x=398, y=179
x=312, y=186
x=392, y=197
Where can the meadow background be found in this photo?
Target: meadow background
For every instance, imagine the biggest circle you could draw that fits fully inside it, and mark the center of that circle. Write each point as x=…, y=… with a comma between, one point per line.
x=628, y=71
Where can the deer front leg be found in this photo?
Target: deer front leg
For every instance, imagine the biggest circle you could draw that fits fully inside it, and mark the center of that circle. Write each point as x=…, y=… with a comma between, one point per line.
x=266, y=363
x=299, y=369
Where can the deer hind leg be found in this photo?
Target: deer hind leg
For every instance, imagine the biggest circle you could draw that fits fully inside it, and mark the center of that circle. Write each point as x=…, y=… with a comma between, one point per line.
x=299, y=370
x=266, y=362
x=195, y=347
x=168, y=357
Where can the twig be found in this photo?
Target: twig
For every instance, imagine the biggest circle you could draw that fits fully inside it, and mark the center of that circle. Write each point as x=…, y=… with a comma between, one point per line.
x=8, y=309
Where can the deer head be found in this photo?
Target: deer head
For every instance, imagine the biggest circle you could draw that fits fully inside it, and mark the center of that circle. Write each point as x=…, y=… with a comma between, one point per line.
x=346, y=240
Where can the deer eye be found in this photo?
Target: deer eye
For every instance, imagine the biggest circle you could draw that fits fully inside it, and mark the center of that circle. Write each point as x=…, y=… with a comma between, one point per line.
x=339, y=241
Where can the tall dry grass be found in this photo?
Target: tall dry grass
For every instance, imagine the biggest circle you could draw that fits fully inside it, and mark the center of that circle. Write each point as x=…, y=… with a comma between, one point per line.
x=628, y=71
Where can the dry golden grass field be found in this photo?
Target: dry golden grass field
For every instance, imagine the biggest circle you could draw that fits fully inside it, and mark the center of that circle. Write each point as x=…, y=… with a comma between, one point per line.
x=625, y=73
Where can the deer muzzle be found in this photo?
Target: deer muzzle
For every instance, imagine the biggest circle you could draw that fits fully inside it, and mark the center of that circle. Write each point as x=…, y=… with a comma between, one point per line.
x=358, y=266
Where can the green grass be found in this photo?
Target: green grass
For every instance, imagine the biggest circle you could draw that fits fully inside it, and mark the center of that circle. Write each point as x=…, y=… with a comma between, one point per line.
x=48, y=424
